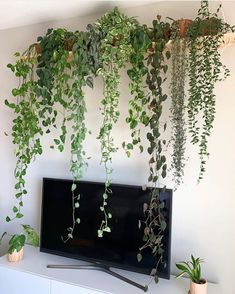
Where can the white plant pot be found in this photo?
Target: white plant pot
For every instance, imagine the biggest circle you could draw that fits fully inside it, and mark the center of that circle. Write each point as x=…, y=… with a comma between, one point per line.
x=198, y=288
x=16, y=256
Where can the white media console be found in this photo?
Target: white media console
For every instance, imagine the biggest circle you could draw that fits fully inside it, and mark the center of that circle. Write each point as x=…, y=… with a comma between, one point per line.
x=31, y=276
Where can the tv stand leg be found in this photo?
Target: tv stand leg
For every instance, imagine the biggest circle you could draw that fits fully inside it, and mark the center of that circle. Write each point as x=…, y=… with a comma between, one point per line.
x=100, y=268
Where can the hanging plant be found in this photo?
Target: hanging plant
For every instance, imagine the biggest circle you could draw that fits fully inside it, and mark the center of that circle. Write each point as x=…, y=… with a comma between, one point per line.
x=115, y=52
x=205, y=69
x=26, y=129
x=137, y=112
x=69, y=76
x=154, y=223
x=178, y=81
x=57, y=90
x=68, y=61
x=54, y=73
x=76, y=110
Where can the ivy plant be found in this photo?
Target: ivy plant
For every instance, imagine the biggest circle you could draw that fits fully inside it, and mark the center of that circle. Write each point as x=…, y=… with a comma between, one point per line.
x=115, y=52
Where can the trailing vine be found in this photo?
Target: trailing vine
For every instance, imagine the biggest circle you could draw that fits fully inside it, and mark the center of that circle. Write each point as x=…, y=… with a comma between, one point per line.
x=178, y=81
x=54, y=77
x=77, y=110
x=137, y=112
x=115, y=51
x=205, y=69
x=26, y=129
x=154, y=223
x=67, y=62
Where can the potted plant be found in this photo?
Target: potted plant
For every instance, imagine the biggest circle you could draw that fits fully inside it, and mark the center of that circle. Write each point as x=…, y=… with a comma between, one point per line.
x=192, y=269
x=205, y=69
x=17, y=242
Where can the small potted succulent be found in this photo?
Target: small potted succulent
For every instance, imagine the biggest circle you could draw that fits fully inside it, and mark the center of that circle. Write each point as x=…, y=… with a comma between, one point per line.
x=17, y=242
x=192, y=269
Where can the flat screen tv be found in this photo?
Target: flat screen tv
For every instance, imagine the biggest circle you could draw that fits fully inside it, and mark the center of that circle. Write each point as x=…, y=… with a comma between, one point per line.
x=116, y=249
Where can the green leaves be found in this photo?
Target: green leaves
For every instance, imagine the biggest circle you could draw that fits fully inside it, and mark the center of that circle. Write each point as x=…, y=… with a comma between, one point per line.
x=1, y=238
x=56, y=99
x=16, y=243
x=89, y=82
x=139, y=257
x=73, y=188
x=192, y=269
x=205, y=70
x=163, y=225
x=8, y=219
x=116, y=50
x=31, y=235
x=178, y=80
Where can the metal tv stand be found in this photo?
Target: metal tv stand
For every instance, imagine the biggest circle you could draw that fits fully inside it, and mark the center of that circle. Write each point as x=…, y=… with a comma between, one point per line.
x=101, y=268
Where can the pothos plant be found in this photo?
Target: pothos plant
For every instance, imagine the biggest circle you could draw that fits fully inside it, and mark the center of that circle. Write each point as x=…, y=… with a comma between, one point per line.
x=77, y=108
x=17, y=241
x=66, y=64
x=26, y=130
x=115, y=50
x=205, y=69
x=70, y=66
x=58, y=89
x=137, y=111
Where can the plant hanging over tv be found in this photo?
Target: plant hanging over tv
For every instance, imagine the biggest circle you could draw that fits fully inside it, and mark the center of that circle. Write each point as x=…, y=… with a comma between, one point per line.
x=54, y=98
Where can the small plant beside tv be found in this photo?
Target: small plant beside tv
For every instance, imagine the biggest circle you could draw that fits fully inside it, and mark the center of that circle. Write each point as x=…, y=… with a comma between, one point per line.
x=192, y=270
x=17, y=242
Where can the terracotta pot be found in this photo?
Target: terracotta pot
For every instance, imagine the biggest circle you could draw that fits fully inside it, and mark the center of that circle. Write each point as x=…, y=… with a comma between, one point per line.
x=16, y=256
x=210, y=26
x=183, y=25
x=198, y=288
x=38, y=48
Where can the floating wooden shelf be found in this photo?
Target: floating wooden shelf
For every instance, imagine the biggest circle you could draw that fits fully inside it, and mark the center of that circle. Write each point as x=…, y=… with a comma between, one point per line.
x=229, y=40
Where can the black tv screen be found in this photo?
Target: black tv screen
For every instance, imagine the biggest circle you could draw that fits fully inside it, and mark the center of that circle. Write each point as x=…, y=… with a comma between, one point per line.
x=118, y=248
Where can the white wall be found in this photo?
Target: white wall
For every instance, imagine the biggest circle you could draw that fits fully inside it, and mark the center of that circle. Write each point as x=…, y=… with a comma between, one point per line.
x=203, y=215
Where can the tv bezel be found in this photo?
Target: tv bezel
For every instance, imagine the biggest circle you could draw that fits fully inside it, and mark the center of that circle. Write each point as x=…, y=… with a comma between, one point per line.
x=164, y=275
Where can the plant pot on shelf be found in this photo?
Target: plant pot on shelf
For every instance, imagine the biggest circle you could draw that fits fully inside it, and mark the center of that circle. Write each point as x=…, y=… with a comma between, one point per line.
x=183, y=26
x=210, y=26
x=38, y=48
x=198, y=288
x=16, y=256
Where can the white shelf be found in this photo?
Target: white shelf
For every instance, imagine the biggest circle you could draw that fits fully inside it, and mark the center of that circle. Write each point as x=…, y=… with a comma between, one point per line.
x=63, y=281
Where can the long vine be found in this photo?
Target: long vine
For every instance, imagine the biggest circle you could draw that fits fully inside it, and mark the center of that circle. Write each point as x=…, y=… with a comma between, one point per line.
x=67, y=62
x=26, y=130
x=154, y=223
x=137, y=112
x=54, y=77
x=205, y=69
x=178, y=81
x=115, y=51
x=77, y=110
